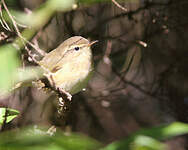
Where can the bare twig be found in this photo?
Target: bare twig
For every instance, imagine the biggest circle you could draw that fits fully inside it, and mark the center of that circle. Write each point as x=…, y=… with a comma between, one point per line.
x=12, y=19
x=144, y=44
x=41, y=52
x=128, y=14
x=22, y=38
x=148, y=93
x=65, y=102
x=107, y=53
x=16, y=28
x=3, y=22
x=118, y=5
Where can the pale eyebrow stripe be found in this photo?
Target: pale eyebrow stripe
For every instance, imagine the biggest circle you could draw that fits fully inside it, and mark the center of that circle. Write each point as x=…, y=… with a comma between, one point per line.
x=69, y=50
x=63, y=56
x=76, y=41
x=66, y=53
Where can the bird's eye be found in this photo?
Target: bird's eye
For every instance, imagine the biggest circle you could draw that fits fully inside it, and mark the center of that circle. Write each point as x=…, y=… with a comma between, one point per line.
x=76, y=48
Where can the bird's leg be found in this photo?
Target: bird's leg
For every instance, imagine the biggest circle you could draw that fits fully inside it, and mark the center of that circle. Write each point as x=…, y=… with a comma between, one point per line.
x=64, y=102
x=65, y=93
x=59, y=89
x=65, y=97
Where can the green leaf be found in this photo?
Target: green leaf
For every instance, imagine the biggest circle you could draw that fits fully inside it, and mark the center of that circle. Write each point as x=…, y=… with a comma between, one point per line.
x=9, y=64
x=10, y=114
x=77, y=142
x=29, y=139
x=160, y=133
x=61, y=5
x=39, y=18
x=28, y=74
x=146, y=143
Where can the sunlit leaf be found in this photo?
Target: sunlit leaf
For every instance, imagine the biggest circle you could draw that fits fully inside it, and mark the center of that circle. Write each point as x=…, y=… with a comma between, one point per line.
x=160, y=133
x=28, y=74
x=10, y=114
x=40, y=17
x=28, y=139
x=146, y=143
x=9, y=64
x=78, y=142
x=61, y=5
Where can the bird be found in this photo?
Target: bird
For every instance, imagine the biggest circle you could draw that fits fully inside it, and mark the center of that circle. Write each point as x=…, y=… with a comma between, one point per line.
x=70, y=65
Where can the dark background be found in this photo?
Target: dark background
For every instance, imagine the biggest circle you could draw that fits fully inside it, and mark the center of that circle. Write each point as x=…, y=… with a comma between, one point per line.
x=123, y=96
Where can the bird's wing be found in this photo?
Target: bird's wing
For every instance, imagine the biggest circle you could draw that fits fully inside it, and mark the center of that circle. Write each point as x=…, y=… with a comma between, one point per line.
x=50, y=60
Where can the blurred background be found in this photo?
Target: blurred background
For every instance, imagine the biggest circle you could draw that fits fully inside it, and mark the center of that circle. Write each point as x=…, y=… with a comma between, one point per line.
x=140, y=78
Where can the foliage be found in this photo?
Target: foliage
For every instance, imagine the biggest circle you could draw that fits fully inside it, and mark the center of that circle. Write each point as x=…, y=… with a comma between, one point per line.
x=8, y=66
x=9, y=53
x=7, y=115
x=148, y=138
x=38, y=139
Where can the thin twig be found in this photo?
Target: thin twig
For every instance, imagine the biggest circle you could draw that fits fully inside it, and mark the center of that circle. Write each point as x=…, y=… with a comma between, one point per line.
x=41, y=52
x=13, y=21
x=135, y=85
x=16, y=27
x=128, y=14
x=118, y=5
x=66, y=97
x=3, y=22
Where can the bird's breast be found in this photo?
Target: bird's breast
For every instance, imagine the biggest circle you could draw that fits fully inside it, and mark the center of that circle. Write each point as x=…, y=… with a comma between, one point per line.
x=74, y=71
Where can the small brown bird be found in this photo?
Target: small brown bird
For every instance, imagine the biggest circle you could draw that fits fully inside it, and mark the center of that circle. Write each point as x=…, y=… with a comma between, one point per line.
x=70, y=64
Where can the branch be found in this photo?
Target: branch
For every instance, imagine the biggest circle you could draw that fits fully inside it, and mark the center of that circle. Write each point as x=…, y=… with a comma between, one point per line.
x=44, y=13
x=128, y=14
x=136, y=86
x=118, y=5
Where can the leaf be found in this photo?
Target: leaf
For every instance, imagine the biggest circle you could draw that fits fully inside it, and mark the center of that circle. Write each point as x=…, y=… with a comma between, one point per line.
x=146, y=143
x=61, y=5
x=28, y=74
x=160, y=133
x=10, y=114
x=28, y=139
x=9, y=64
x=43, y=13
x=77, y=142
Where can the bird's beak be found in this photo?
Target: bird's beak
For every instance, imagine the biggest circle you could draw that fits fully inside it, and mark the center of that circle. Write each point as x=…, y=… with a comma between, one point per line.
x=92, y=42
